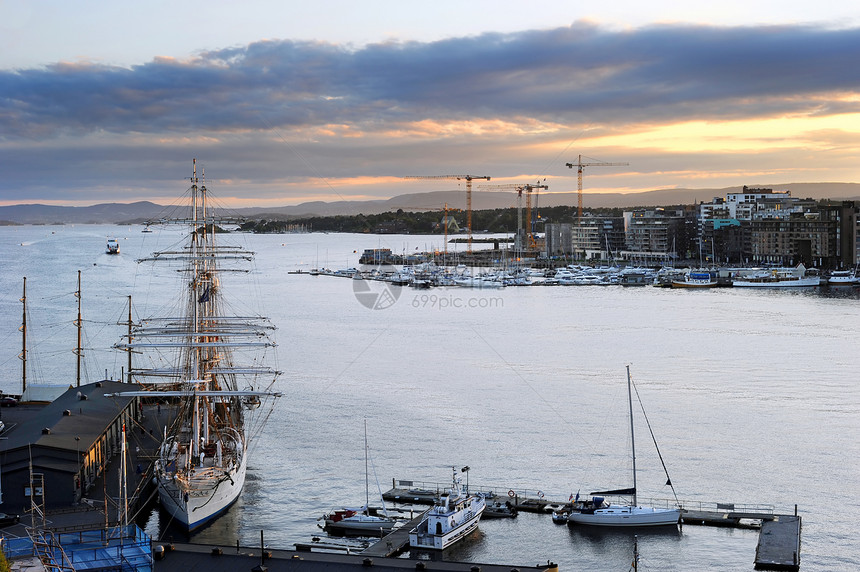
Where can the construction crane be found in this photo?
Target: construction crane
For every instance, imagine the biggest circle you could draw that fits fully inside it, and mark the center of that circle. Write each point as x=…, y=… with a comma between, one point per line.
x=530, y=235
x=446, y=220
x=579, y=165
x=468, y=179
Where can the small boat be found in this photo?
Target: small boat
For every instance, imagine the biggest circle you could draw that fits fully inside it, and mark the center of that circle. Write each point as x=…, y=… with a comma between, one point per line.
x=500, y=510
x=360, y=520
x=112, y=246
x=695, y=280
x=146, y=229
x=454, y=516
x=596, y=512
x=843, y=278
x=560, y=516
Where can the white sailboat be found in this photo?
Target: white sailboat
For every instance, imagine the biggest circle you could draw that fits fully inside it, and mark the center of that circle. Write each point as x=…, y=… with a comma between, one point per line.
x=597, y=513
x=359, y=520
x=203, y=458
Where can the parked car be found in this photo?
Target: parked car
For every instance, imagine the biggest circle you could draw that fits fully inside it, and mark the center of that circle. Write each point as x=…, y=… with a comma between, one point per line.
x=8, y=401
x=7, y=519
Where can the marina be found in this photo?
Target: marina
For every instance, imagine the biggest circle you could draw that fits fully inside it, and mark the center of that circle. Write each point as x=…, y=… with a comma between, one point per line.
x=527, y=416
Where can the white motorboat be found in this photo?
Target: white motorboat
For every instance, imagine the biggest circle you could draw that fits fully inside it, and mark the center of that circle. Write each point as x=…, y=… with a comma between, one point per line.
x=454, y=516
x=778, y=278
x=200, y=470
x=843, y=278
x=695, y=280
x=598, y=513
x=112, y=246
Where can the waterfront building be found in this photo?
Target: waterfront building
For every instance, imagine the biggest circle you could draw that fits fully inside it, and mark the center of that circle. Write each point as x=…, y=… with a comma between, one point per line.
x=659, y=235
x=558, y=239
x=598, y=237
x=68, y=442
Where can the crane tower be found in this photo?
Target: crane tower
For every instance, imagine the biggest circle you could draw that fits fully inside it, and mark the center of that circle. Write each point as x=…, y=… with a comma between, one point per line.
x=468, y=179
x=579, y=165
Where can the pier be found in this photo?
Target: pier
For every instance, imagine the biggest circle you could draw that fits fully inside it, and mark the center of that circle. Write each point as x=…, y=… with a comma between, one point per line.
x=779, y=537
x=394, y=543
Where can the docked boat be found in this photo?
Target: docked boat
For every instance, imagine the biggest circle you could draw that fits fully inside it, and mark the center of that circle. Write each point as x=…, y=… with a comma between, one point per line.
x=500, y=510
x=112, y=246
x=843, y=278
x=695, y=280
x=596, y=512
x=778, y=278
x=201, y=464
x=454, y=516
x=361, y=520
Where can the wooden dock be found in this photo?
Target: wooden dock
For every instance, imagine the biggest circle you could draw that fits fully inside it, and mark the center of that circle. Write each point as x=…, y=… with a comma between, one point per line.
x=395, y=541
x=779, y=544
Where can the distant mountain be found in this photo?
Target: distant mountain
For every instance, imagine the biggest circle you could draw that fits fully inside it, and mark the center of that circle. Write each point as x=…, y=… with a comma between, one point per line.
x=139, y=212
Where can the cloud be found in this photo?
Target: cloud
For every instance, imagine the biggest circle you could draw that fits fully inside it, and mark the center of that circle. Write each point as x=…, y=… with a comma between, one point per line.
x=382, y=108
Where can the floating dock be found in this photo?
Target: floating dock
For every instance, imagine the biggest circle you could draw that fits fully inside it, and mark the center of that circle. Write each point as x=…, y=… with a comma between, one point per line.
x=779, y=544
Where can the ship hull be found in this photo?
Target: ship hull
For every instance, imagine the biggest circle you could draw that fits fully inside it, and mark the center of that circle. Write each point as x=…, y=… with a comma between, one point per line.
x=207, y=498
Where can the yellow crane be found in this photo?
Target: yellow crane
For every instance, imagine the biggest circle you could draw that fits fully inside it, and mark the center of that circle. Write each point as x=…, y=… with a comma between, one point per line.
x=468, y=179
x=579, y=165
x=528, y=188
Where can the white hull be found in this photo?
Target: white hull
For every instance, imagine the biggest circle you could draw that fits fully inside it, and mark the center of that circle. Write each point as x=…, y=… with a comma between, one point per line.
x=808, y=282
x=420, y=538
x=361, y=523
x=207, y=498
x=615, y=515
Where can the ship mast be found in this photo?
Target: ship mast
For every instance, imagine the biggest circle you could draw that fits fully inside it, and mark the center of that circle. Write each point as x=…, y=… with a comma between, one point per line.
x=24, y=339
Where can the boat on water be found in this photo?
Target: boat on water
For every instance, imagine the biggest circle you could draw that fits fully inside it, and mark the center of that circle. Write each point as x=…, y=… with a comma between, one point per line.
x=843, y=278
x=112, y=246
x=499, y=509
x=201, y=464
x=454, y=516
x=695, y=280
x=361, y=520
x=778, y=278
x=596, y=512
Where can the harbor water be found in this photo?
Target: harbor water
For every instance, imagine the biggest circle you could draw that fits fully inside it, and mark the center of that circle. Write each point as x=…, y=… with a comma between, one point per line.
x=752, y=395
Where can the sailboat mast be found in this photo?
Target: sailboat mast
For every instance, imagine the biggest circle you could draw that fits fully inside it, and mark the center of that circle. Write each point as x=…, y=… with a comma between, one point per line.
x=366, y=472
x=24, y=339
x=632, y=438
x=129, y=339
x=78, y=349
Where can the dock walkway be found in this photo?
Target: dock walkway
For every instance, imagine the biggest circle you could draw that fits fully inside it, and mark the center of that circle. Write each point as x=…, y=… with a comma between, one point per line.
x=395, y=541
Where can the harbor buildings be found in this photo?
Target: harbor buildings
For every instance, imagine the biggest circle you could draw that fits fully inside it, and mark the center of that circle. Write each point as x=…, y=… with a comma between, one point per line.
x=751, y=226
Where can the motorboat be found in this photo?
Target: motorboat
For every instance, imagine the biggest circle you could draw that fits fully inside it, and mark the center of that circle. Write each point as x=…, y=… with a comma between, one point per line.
x=843, y=278
x=454, y=516
x=695, y=280
x=112, y=246
x=500, y=509
x=778, y=278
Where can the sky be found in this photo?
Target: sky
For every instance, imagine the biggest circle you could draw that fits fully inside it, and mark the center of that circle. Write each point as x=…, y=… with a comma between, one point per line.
x=340, y=100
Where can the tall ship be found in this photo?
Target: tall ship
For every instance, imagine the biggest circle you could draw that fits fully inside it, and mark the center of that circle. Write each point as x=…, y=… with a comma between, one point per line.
x=217, y=403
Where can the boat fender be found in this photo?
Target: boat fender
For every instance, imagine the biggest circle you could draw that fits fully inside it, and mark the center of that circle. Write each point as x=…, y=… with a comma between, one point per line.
x=540, y=494
x=511, y=493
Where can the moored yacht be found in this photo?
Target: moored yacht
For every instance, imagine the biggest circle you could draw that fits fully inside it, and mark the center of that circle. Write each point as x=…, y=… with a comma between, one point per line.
x=455, y=515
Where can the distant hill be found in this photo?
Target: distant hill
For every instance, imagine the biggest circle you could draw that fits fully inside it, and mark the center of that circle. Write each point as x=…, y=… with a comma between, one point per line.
x=139, y=212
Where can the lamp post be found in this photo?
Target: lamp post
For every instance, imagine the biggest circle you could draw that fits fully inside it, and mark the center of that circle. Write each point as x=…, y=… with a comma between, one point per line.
x=466, y=470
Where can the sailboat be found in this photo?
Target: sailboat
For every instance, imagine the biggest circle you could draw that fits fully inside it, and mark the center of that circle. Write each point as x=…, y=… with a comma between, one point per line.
x=359, y=520
x=597, y=513
x=201, y=465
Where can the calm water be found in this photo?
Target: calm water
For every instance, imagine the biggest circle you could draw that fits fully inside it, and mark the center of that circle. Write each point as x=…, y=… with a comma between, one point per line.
x=753, y=396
